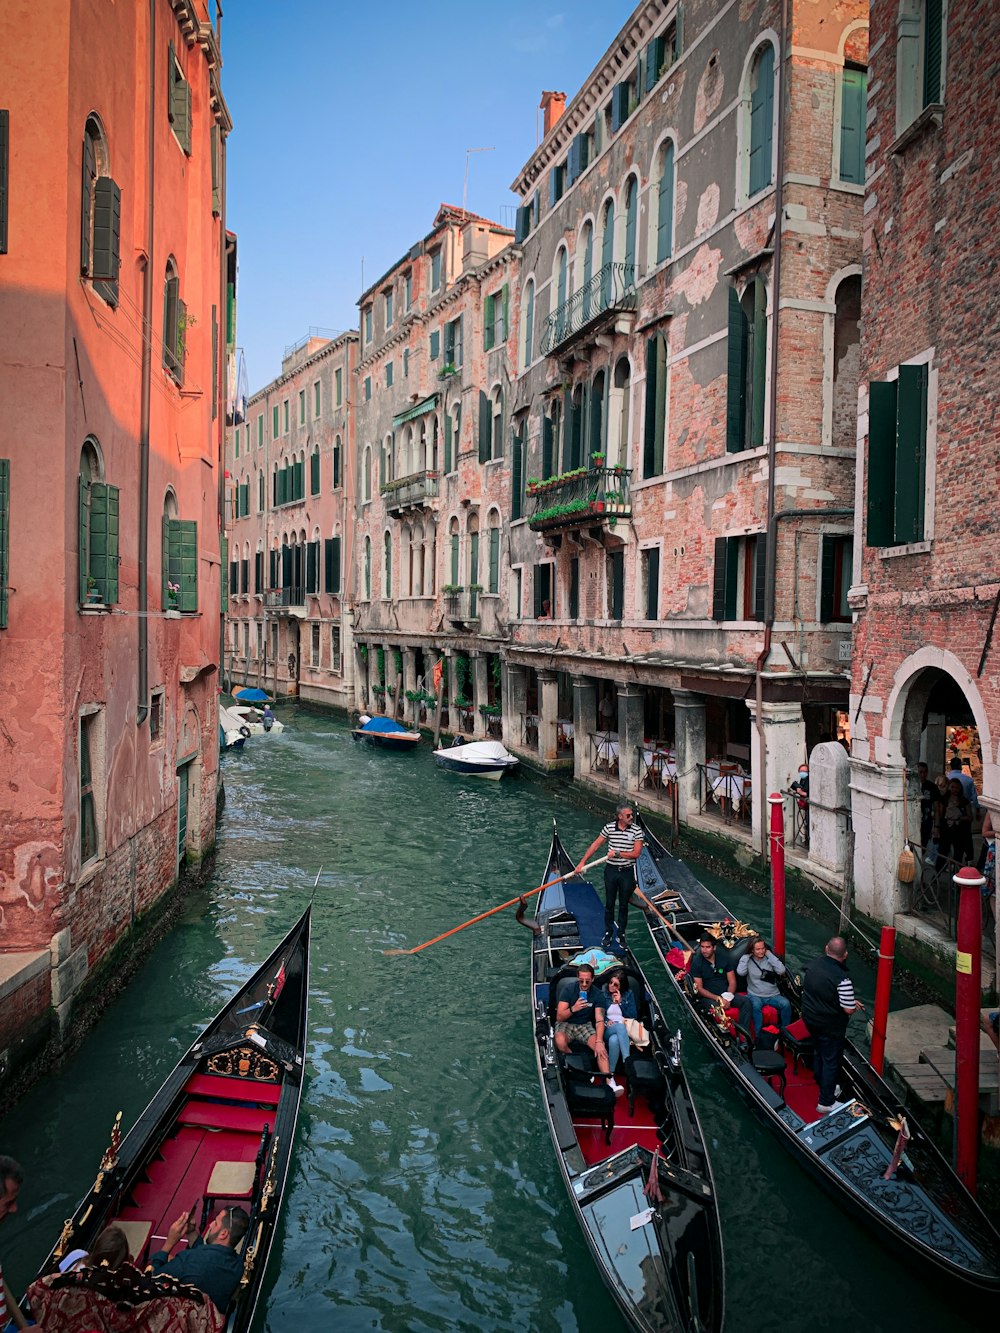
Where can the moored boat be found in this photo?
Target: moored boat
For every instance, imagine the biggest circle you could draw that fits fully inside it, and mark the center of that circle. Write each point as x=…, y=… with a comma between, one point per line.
x=386, y=733
x=476, y=759
x=259, y=721
x=903, y=1188
x=218, y=1134
x=636, y=1168
x=233, y=731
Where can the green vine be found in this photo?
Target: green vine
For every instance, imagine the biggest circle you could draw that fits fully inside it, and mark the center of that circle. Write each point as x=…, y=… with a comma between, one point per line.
x=380, y=664
x=461, y=676
x=363, y=651
x=397, y=657
x=497, y=670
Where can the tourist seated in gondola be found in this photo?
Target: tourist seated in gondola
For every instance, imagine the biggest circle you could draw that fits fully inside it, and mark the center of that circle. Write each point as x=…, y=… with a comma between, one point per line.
x=210, y=1262
x=110, y=1251
x=762, y=968
x=621, y=1005
x=581, y=1015
x=713, y=980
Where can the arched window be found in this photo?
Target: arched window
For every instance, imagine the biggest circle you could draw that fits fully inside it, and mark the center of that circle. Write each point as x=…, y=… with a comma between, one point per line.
x=562, y=269
x=665, y=202
x=598, y=423
x=336, y=463
x=385, y=473
x=473, y=557
x=494, y=553
x=528, y=323
x=98, y=532
x=387, y=586
x=631, y=216
x=747, y=367
x=455, y=573
x=846, y=363
x=607, y=253
x=368, y=568
x=761, y=135
x=100, y=222
x=180, y=559
x=175, y=324
x=619, y=415
x=585, y=259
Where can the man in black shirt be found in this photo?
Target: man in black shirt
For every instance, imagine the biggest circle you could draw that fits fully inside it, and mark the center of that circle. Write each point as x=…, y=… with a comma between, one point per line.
x=711, y=979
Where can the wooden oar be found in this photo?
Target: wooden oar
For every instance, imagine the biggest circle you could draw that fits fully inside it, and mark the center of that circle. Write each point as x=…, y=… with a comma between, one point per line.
x=396, y=953
x=656, y=912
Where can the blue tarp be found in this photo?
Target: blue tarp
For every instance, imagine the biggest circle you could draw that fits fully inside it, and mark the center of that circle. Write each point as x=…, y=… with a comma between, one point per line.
x=247, y=694
x=383, y=724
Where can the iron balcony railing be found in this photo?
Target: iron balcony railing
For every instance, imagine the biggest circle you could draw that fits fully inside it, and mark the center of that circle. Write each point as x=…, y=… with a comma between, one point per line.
x=279, y=597
x=407, y=492
x=611, y=289
x=584, y=498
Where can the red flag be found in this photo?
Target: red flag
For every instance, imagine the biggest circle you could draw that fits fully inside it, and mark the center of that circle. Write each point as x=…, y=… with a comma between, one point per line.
x=437, y=673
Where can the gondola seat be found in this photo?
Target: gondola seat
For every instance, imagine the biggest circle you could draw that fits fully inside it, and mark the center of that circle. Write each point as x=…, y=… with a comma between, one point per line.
x=770, y=1065
x=585, y=1096
x=644, y=1076
x=796, y=1038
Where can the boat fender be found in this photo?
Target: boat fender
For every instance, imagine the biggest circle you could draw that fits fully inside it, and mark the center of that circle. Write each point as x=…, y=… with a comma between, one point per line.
x=244, y=730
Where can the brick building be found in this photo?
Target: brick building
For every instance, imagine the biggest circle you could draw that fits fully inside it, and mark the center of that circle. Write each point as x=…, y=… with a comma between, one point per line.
x=112, y=192
x=291, y=474
x=434, y=388
x=926, y=578
x=684, y=414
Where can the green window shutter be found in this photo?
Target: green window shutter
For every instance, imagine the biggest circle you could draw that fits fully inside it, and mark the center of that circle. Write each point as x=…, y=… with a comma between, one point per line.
x=244, y=499
x=83, y=531
x=853, y=109
x=505, y=296
x=300, y=481
x=573, y=161
x=314, y=475
x=181, y=347
x=517, y=476
x=223, y=562
x=619, y=106
x=911, y=453
x=654, y=63
x=631, y=213
x=183, y=561
x=258, y=572
x=4, y=177
x=574, y=588
x=933, y=47
x=170, y=296
x=274, y=423
x=761, y=120
x=719, y=579
x=485, y=428
x=89, y=172
x=104, y=540
x=760, y=577
x=665, y=206
x=435, y=344
x=459, y=340
x=107, y=230
x=494, y=560
x=328, y=564
x=616, y=560
x=454, y=559
x=548, y=469
x=216, y=150
x=759, y=364
x=4, y=538
x=335, y=580
x=656, y=404
x=312, y=567
x=653, y=583
x=244, y=576
x=488, y=318
x=881, y=463
x=447, y=442
x=737, y=373
x=522, y=223
x=827, y=577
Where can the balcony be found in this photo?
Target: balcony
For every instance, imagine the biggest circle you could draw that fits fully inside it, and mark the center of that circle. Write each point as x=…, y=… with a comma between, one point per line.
x=286, y=601
x=587, y=498
x=610, y=291
x=461, y=607
x=412, y=492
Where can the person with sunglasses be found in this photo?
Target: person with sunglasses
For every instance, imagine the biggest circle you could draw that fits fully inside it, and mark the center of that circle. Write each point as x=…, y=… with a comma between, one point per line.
x=210, y=1262
x=624, y=847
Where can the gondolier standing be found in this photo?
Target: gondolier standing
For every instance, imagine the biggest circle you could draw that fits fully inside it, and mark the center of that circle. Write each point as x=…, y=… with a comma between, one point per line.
x=624, y=845
x=827, y=1004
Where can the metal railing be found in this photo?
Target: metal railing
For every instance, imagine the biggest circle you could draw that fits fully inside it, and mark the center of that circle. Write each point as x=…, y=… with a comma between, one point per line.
x=933, y=895
x=612, y=288
x=415, y=489
x=724, y=789
x=594, y=495
x=294, y=596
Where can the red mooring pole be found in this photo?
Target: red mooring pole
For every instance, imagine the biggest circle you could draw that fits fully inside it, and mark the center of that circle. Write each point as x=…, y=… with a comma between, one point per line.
x=777, y=804
x=968, y=997
x=883, y=988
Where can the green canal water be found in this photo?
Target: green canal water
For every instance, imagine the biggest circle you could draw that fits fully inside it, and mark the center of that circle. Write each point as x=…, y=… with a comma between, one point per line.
x=424, y=1193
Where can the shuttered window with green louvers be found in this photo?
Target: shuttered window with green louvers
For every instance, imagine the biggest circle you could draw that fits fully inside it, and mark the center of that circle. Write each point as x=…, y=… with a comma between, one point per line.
x=312, y=567
x=178, y=101
x=331, y=565
x=665, y=204
x=244, y=499
x=314, y=473
x=854, y=98
x=485, y=427
x=105, y=258
x=181, y=542
x=762, y=119
x=933, y=52
x=4, y=538
x=517, y=473
x=98, y=542
x=258, y=572
x=494, y=584
x=656, y=406
x=447, y=442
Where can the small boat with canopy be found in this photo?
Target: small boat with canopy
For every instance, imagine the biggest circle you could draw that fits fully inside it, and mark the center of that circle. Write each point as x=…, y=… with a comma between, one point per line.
x=386, y=733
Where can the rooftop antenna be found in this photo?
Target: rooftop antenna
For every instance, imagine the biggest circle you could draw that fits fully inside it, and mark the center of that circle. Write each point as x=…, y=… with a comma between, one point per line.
x=465, y=187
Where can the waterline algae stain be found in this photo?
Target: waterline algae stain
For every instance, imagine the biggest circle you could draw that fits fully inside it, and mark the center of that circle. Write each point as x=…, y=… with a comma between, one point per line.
x=424, y=1195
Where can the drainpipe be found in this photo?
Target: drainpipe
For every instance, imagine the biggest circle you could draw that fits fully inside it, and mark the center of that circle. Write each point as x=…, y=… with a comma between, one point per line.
x=142, y=710
x=771, y=565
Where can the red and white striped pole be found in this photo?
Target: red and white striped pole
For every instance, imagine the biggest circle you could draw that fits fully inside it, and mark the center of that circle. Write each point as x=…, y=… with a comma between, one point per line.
x=777, y=804
x=883, y=989
x=968, y=997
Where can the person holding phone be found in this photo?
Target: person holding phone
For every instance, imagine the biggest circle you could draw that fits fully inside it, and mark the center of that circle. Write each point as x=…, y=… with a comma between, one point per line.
x=210, y=1262
x=580, y=1016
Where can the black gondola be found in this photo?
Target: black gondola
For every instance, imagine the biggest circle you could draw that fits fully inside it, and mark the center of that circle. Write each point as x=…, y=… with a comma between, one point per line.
x=915, y=1200
x=657, y=1243
x=219, y=1132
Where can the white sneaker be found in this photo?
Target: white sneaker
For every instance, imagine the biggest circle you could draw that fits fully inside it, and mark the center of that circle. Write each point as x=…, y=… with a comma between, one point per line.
x=616, y=1088
x=837, y=1092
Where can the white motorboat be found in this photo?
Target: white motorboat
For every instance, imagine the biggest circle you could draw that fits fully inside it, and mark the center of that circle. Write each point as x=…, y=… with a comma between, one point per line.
x=476, y=759
x=233, y=731
x=259, y=720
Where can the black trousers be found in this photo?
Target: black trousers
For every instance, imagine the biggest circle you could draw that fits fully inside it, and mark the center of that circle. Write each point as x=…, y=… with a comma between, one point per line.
x=619, y=883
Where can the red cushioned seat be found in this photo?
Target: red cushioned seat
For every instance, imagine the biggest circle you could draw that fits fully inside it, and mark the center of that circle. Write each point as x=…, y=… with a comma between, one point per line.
x=217, y=1115
x=769, y=1016
x=796, y=1038
x=234, y=1089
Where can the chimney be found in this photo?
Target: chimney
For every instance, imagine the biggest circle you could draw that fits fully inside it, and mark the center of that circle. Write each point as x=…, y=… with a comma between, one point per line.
x=553, y=105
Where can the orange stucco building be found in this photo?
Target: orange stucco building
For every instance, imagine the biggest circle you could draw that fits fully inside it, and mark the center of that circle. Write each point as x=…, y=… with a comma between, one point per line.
x=112, y=333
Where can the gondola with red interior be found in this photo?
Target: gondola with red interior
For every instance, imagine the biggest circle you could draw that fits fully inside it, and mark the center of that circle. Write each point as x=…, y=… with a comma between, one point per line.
x=219, y=1132
x=636, y=1168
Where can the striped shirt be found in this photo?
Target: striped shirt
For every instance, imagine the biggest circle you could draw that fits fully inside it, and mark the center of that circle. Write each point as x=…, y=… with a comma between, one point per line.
x=621, y=839
x=845, y=993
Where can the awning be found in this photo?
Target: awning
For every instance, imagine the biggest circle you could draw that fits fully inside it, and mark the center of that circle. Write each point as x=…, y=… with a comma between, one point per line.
x=417, y=410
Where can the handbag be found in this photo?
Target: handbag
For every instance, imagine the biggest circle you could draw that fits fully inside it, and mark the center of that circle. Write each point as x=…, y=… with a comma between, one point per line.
x=637, y=1033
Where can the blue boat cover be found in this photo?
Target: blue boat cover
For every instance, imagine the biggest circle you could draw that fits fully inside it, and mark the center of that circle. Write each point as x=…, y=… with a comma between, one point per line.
x=247, y=694
x=383, y=724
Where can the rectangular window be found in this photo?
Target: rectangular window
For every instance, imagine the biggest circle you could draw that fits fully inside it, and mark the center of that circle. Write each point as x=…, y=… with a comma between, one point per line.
x=435, y=270
x=522, y=223
x=517, y=471
x=836, y=559
x=335, y=648
x=406, y=363
x=317, y=399
x=88, y=807
x=933, y=52
x=275, y=422
x=897, y=458
x=616, y=584
x=747, y=368
x=853, y=112
x=542, y=583
x=496, y=316
x=656, y=406
x=739, y=578
x=453, y=352
x=302, y=407
x=244, y=576
x=178, y=101
x=339, y=380
x=435, y=341
x=284, y=417
x=368, y=388
x=368, y=325
x=388, y=375
x=314, y=645
x=515, y=593
x=621, y=104
x=156, y=715
x=387, y=300
x=258, y=572
x=260, y=431
x=651, y=582
x=408, y=284
x=331, y=565
x=574, y=588
x=180, y=549
x=494, y=553
x=314, y=473
x=557, y=183
x=236, y=442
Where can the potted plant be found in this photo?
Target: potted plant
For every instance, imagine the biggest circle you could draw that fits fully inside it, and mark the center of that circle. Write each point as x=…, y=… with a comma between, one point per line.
x=447, y=371
x=451, y=589
x=475, y=587
x=597, y=459
x=94, y=597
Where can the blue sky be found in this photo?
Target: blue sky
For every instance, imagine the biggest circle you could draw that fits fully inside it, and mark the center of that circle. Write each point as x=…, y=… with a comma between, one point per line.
x=350, y=128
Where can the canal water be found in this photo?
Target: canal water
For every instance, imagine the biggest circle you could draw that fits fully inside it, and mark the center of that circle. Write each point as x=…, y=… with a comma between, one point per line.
x=424, y=1193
